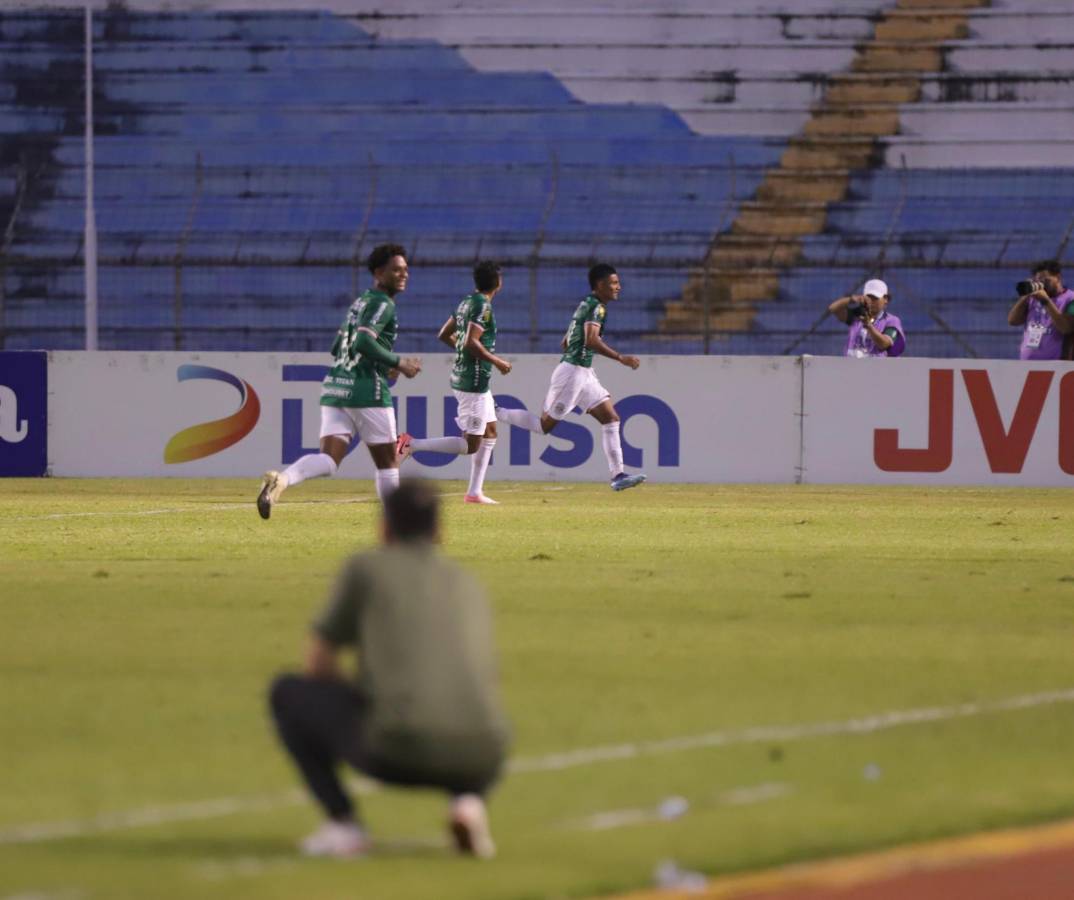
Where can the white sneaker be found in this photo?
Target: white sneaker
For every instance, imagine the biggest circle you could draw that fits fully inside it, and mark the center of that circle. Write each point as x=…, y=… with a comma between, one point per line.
x=336, y=839
x=272, y=485
x=479, y=498
x=469, y=825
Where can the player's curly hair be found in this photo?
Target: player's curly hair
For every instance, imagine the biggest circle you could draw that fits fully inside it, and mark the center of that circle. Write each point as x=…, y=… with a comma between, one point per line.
x=487, y=275
x=599, y=272
x=380, y=255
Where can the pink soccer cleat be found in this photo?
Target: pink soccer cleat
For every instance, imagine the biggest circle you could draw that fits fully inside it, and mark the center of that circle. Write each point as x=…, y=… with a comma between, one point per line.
x=402, y=447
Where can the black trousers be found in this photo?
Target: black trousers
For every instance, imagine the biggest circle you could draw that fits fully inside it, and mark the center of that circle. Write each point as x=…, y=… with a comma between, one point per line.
x=322, y=723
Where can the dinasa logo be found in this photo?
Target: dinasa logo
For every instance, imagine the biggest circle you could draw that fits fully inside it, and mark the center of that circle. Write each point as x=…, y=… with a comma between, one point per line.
x=208, y=438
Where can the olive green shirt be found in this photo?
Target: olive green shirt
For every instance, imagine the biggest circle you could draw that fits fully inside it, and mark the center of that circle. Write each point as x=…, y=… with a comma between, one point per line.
x=423, y=630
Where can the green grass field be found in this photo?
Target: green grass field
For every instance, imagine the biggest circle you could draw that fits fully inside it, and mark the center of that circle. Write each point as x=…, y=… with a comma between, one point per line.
x=141, y=621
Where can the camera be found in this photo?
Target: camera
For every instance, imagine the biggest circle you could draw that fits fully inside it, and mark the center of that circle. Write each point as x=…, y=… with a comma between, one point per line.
x=1028, y=287
x=857, y=310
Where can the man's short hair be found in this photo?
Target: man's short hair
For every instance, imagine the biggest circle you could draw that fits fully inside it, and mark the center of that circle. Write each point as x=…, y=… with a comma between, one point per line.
x=412, y=510
x=487, y=275
x=599, y=272
x=382, y=254
x=1051, y=266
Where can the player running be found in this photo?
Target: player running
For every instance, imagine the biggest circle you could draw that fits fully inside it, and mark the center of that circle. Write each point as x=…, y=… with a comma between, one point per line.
x=471, y=333
x=355, y=397
x=574, y=383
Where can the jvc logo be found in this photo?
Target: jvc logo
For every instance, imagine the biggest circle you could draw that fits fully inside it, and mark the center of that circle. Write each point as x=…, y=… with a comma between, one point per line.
x=1006, y=448
x=12, y=428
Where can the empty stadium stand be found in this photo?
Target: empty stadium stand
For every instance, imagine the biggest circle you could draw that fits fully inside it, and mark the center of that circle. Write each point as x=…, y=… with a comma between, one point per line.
x=741, y=166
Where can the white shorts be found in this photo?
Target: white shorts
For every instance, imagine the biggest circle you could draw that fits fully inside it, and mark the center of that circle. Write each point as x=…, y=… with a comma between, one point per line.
x=475, y=411
x=373, y=424
x=573, y=386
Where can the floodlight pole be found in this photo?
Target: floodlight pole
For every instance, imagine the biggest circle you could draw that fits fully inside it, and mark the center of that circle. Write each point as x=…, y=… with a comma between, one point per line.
x=90, y=233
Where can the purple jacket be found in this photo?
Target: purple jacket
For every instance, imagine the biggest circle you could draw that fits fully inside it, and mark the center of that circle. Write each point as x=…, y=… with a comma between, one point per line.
x=1041, y=340
x=860, y=344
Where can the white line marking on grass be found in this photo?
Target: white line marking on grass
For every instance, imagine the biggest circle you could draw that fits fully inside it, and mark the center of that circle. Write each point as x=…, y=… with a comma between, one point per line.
x=760, y=733
x=553, y=762
x=674, y=808
x=223, y=507
x=242, y=867
x=72, y=894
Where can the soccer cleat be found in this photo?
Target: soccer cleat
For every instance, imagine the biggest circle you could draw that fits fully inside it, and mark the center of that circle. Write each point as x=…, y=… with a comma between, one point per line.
x=479, y=498
x=402, y=447
x=469, y=825
x=336, y=839
x=622, y=481
x=272, y=485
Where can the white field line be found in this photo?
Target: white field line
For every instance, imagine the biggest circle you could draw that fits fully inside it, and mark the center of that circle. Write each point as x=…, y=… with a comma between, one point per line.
x=762, y=733
x=676, y=807
x=206, y=809
x=62, y=894
x=222, y=507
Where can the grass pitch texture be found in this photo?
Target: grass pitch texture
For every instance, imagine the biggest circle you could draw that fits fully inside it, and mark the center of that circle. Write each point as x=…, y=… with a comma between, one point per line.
x=140, y=622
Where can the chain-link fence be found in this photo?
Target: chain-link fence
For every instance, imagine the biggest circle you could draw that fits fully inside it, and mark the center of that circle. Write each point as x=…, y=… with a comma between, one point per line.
x=199, y=257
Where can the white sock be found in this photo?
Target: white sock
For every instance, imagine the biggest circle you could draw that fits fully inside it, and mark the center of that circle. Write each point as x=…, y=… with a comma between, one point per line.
x=312, y=465
x=479, y=465
x=387, y=481
x=522, y=418
x=456, y=445
x=613, y=448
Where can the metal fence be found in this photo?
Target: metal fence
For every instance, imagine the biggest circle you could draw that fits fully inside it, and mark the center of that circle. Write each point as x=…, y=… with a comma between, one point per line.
x=258, y=257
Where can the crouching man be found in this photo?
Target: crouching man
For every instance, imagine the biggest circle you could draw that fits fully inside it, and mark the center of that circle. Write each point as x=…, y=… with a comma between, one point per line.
x=424, y=709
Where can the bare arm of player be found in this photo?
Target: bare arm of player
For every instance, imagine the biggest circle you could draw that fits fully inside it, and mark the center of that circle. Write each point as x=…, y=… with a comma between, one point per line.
x=447, y=332
x=321, y=661
x=478, y=350
x=594, y=342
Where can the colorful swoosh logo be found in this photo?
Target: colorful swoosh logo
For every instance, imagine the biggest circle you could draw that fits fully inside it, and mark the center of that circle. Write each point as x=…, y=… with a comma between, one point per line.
x=208, y=438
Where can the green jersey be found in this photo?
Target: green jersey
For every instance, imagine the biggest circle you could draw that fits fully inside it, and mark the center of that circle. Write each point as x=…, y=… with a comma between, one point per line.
x=353, y=380
x=470, y=373
x=589, y=310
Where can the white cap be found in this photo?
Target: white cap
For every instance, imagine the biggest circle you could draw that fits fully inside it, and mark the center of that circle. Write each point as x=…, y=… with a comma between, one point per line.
x=874, y=287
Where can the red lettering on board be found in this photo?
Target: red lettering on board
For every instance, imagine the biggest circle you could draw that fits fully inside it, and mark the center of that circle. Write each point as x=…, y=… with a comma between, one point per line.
x=1006, y=450
x=1066, y=423
x=936, y=457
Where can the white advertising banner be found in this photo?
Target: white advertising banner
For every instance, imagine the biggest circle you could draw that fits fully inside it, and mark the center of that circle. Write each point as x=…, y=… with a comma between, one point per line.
x=699, y=419
x=708, y=419
x=943, y=422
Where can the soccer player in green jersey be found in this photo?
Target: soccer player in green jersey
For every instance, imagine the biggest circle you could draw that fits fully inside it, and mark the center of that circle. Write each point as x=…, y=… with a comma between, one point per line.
x=574, y=383
x=471, y=333
x=355, y=398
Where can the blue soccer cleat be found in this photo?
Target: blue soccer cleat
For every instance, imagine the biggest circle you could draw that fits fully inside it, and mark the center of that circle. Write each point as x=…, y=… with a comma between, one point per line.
x=622, y=481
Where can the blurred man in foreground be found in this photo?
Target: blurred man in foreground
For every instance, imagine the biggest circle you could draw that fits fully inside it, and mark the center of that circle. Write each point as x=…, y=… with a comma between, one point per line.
x=424, y=709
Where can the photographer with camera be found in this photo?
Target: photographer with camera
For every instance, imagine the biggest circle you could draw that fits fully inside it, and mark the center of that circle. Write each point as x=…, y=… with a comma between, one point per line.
x=1044, y=309
x=873, y=330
